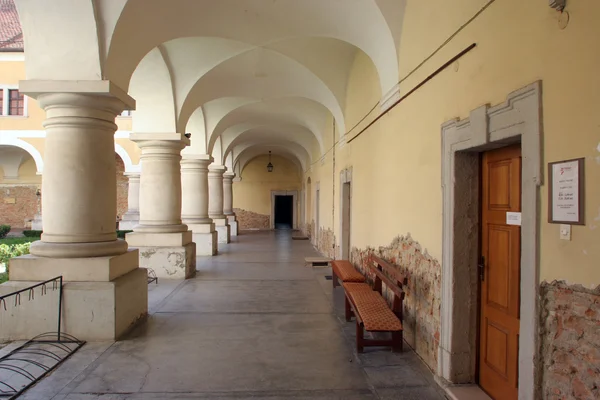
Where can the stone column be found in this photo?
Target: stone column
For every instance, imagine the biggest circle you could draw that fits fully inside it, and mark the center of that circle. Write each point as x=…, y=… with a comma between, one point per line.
x=165, y=243
x=228, y=202
x=194, y=205
x=215, y=202
x=100, y=274
x=132, y=216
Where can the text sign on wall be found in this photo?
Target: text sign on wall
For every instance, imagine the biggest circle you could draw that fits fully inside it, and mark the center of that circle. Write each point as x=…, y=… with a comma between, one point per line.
x=565, y=194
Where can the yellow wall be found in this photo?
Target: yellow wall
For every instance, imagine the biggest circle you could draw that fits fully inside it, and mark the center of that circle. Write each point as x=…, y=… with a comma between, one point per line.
x=11, y=72
x=397, y=162
x=253, y=192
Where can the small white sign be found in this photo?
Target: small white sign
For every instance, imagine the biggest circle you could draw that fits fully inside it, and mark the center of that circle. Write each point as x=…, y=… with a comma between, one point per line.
x=513, y=218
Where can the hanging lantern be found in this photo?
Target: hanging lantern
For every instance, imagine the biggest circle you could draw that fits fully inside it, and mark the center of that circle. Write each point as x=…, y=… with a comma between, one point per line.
x=269, y=165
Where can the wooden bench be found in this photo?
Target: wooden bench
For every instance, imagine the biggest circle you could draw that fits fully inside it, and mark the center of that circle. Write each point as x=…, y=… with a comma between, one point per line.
x=343, y=270
x=371, y=310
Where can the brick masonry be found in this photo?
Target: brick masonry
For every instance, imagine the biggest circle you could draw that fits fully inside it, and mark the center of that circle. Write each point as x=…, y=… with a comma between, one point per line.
x=423, y=292
x=18, y=205
x=249, y=220
x=122, y=187
x=570, y=336
x=326, y=245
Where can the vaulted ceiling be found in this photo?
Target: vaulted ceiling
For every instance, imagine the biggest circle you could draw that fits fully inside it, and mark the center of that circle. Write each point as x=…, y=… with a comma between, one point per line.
x=243, y=76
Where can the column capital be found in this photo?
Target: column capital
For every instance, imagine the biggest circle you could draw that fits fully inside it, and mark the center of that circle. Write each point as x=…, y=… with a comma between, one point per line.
x=216, y=169
x=160, y=140
x=229, y=175
x=40, y=88
x=193, y=161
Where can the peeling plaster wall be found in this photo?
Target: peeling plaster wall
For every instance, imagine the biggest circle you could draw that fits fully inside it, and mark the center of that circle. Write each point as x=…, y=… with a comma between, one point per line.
x=326, y=245
x=423, y=291
x=570, y=326
x=249, y=220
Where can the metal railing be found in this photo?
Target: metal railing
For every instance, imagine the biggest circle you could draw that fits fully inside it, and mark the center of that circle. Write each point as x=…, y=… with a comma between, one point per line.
x=25, y=365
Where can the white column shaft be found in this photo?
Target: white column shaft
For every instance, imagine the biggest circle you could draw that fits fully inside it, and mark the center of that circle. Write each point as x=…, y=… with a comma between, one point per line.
x=228, y=193
x=194, y=181
x=79, y=185
x=160, y=182
x=133, y=196
x=215, y=191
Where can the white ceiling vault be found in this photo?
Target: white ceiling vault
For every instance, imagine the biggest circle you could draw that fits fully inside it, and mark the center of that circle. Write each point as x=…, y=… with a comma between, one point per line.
x=243, y=76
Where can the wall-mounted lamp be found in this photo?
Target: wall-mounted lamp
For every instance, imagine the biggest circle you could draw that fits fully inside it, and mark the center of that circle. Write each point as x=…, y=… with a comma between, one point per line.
x=558, y=4
x=269, y=165
x=38, y=193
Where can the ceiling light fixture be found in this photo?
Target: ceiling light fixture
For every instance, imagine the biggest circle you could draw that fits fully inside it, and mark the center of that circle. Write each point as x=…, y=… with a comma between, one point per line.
x=269, y=165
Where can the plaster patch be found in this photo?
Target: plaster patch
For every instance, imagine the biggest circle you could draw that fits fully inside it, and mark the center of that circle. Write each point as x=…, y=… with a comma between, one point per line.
x=423, y=292
x=570, y=317
x=249, y=220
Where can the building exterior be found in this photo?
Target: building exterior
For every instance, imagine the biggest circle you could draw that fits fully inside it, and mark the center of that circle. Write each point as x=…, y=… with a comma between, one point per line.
x=428, y=139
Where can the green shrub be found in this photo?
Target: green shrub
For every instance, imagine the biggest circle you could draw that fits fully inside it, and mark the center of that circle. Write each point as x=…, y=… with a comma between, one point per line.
x=4, y=229
x=9, y=251
x=121, y=234
x=31, y=233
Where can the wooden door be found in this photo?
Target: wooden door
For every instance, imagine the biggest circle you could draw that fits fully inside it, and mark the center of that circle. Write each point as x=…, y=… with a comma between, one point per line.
x=500, y=273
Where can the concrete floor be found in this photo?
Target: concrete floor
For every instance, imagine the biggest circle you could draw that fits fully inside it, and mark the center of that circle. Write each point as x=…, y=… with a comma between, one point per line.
x=255, y=323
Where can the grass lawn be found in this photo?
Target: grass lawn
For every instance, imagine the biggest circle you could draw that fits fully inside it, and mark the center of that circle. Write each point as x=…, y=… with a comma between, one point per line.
x=18, y=240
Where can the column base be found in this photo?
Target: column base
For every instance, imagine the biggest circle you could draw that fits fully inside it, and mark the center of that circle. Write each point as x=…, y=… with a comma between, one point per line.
x=129, y=221
x=170, y=255
x=206, y=238
x=92, y=310
x=223, y=230
x=232, y=220
x=36, y=223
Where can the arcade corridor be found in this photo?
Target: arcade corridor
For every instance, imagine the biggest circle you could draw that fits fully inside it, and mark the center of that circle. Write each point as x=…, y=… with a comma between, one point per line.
x=254, y=323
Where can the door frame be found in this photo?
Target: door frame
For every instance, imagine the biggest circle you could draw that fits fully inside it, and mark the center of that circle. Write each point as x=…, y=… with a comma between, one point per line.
x=294, y=194
x=518, y=119
x=345, y=177
x=317, y=213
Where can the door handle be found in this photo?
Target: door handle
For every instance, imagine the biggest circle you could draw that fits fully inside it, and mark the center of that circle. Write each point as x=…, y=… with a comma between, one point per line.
x=481, y=266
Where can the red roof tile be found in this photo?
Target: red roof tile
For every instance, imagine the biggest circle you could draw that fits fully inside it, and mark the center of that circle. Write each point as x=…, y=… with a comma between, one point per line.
x=11, y=35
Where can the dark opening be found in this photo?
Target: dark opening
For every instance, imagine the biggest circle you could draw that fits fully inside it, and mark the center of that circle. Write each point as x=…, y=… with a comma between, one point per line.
x=284, y=212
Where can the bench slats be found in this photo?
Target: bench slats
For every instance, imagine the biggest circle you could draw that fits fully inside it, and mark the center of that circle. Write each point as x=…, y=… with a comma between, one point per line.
x=373, y=310
x=346, y=272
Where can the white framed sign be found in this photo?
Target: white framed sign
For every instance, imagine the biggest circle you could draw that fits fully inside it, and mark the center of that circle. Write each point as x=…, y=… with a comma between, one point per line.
x=566, y=192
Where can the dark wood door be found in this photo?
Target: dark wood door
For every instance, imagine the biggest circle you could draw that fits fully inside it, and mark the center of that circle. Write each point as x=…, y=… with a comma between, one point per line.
x=501, y=267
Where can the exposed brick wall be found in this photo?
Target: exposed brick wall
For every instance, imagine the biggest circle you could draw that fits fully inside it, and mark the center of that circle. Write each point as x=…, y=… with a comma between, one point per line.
x=570, y=325
x=18, y=205
x=251, y=220
x=422, y=302
x=307, y=229
x=122, y=187
x=326, y=242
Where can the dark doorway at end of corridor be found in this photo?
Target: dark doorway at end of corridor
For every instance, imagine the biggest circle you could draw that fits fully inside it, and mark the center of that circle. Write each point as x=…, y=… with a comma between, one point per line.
x=284, y=212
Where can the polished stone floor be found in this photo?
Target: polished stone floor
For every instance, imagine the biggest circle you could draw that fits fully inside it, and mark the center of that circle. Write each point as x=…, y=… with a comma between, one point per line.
x=254, y=323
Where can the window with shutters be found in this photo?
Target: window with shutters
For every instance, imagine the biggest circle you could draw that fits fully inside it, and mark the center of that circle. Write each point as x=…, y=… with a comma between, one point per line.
x=16, y=102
